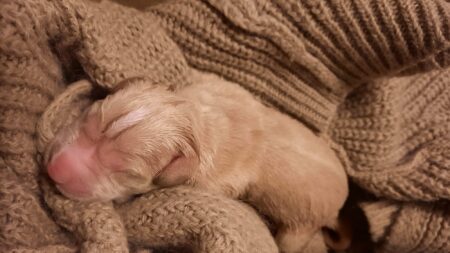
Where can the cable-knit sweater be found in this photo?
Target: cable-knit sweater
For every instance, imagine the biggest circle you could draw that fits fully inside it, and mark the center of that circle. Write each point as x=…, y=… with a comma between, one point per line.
x=372, y=76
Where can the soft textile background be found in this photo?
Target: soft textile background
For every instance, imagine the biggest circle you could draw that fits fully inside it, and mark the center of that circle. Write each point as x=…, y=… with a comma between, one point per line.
x=370, y=75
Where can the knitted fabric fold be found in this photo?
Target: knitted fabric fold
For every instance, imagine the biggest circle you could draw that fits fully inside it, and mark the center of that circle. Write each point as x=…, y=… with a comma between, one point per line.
x=304, y=57
x=409, y=227
x=396, y=133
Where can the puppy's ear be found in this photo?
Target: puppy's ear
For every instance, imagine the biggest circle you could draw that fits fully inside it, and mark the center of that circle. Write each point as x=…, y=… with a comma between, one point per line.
x=183, y=167
x=126, y=82
x=177, y=172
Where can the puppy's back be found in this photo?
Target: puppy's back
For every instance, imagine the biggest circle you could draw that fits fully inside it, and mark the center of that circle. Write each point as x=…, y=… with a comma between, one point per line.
x=282, y=157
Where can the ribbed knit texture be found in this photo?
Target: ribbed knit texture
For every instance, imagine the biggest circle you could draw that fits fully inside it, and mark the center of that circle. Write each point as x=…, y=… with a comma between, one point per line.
x=304, y=57
x=370, y=75
x=397, y=136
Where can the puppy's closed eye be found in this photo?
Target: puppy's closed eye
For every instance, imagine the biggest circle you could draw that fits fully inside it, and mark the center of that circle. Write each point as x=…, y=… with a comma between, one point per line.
x=124, y=122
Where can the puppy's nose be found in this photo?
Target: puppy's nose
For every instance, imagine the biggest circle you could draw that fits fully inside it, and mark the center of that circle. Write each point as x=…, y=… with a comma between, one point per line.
x=71, y=163
x=63, y=167
x=71, y=175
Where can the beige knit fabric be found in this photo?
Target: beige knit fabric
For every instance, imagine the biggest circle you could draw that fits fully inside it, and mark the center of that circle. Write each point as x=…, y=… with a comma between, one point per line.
x=371, y=75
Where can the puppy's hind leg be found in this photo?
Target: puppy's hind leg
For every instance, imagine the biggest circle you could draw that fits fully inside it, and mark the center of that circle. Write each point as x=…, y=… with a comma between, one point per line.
x=294, y=240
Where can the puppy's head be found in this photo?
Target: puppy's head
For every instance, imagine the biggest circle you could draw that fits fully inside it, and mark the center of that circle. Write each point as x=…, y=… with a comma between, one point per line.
x=134, y=140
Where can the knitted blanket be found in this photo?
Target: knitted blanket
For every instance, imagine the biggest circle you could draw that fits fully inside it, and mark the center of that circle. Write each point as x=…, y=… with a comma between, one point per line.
x=371, y=76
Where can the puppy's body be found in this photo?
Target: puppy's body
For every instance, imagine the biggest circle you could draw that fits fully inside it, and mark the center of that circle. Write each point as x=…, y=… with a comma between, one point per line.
x=268, y=158
x=232, y=145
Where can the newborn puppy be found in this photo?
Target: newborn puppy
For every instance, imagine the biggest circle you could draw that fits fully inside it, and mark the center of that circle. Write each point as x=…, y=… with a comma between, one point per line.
x=212, y=135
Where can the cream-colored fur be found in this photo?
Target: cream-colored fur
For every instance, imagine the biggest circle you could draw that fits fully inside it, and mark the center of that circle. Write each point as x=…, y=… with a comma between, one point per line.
x=216, y=136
